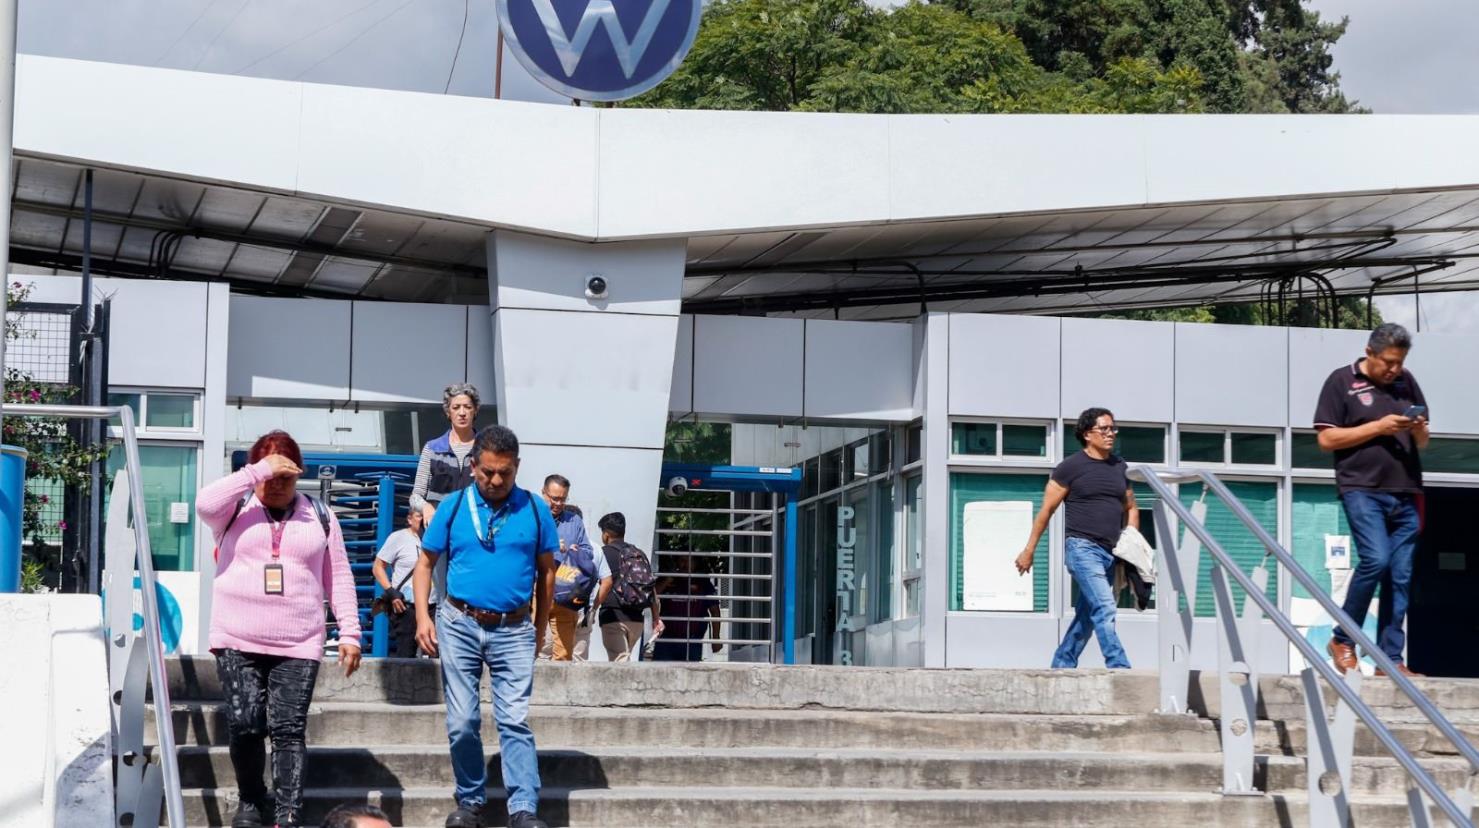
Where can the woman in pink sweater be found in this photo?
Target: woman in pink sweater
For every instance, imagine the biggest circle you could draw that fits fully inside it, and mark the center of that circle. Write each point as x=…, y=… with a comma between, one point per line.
x=275, y=566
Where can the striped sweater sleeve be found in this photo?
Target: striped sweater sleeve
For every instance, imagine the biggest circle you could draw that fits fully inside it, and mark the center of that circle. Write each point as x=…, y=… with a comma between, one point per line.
x=216, y=503
x=338, y=583
x=423, y=480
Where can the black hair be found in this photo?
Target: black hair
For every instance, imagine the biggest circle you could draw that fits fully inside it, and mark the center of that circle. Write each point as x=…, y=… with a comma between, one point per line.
x=496, y=439
x=348, y=814
x=1389, y=335
x=1086, y=421
x=614, y=523
x=558, y=479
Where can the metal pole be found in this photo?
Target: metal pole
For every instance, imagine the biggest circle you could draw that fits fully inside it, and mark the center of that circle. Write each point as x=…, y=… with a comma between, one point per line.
x=384, y=525
x=788, y=627
x=7, y=138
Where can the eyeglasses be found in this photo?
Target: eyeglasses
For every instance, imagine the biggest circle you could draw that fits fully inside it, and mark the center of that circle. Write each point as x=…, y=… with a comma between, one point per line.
x=1106, y=430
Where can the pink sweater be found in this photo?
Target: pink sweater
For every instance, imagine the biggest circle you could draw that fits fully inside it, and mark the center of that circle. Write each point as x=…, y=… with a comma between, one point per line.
x=243, y=616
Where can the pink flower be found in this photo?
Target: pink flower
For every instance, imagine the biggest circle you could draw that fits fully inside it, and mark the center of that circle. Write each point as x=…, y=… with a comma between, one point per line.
x=62, y=525
x=35, y=395
x=46, y=498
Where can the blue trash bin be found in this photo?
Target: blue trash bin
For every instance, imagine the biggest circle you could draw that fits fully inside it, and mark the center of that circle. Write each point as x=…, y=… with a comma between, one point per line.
x=12, y=506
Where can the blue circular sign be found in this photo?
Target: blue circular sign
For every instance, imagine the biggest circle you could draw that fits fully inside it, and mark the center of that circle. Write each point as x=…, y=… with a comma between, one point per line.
x=600, y=50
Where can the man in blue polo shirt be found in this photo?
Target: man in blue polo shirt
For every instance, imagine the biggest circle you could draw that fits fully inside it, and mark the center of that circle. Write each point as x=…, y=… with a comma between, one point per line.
x=496, y=537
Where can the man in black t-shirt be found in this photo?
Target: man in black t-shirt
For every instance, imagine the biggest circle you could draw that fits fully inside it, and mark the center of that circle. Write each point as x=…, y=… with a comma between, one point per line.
x=1100, y=504
x=1373, y=416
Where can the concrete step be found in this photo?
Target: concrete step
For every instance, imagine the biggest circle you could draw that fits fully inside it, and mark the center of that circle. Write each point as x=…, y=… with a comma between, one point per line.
x=840, y=807
x=367, y=723
x=764, y=686
x=414, y=767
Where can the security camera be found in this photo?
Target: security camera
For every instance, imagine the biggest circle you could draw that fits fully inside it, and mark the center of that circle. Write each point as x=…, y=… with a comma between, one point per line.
x=595, y=286
x=677, y=487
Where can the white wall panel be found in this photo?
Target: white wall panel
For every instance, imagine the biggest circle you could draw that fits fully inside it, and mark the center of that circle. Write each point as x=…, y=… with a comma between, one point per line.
x=601, y=480
x=296, y=349
x=1127, y=367
x=159, y=329
x=205, y=126
x=859, y=370
x=665, y=171
x=515, y=164
x=539, y=272
x=1004, y=366
x=747, y=366
x=1232, y=374
x=1313, y=354
x=946, y=165
x=405, y=352
x=558, y=400
x=1024, y=643
x=480, y=352
x=1444, y=367
x=680, y=400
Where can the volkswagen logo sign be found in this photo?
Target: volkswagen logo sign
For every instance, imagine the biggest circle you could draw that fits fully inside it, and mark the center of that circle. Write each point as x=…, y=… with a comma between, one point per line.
x=600, y=50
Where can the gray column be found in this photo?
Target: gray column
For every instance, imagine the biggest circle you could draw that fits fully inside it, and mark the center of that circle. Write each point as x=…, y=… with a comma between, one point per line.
x=936, y=505
x=585, y=382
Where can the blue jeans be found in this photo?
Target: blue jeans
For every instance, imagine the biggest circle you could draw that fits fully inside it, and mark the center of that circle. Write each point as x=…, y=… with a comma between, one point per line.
x=1091, y=566
x=509, y=654
x=1384, y=526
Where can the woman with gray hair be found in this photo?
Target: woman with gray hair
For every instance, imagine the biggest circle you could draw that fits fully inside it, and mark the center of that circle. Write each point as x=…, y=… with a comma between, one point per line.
x=446, y=462
x=446, y=468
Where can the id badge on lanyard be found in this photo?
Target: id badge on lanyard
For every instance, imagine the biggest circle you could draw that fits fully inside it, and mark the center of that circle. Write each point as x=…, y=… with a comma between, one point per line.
x=272, y=575
x=477, y=520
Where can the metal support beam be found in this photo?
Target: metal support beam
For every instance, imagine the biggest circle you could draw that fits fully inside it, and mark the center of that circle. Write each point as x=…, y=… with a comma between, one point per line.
x=1238, y=690
x=1328, y=745
x=1175, y=600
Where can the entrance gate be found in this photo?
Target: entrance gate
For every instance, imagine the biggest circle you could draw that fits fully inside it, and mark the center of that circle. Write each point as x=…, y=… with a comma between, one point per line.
x=742, y=546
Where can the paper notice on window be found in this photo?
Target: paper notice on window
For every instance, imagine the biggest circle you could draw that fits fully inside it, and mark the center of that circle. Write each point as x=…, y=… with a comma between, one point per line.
x=994, y=534
x=179, y=512
x=1337, y=551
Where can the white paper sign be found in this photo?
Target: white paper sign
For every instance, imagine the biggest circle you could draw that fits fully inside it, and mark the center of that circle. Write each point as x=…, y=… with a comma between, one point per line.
x=179, y=512
x=994, y=534
x=1337, y=551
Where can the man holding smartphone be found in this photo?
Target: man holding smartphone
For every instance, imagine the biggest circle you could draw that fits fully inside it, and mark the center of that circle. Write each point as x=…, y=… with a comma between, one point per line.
x=1373, y=416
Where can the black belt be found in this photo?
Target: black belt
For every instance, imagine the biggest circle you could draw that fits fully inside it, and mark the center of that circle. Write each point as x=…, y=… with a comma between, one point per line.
x=489, y=618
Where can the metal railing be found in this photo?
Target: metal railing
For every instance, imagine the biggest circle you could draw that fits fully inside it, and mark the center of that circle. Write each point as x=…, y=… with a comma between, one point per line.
x=142, y=780
x=1329, y=745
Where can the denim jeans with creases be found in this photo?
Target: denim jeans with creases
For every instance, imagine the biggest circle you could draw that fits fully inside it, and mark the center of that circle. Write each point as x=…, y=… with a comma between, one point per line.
x=466, y=646
x=1091, y=566
x=1384, y=526
x=268, y=695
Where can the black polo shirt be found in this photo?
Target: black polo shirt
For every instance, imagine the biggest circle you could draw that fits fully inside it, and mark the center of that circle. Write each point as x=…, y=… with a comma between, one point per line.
x=1383, y=464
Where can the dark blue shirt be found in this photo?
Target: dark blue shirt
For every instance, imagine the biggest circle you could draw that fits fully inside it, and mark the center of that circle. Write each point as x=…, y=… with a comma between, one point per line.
x=497, y=575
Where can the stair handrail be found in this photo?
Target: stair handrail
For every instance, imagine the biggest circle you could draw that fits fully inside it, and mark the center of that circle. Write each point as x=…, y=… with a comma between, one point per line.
x=1158, y=479
x=153, y=644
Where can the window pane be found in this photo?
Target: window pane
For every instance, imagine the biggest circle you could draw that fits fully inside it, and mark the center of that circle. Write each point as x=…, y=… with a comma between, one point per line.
x=1449, y=454
x=1201, y=447
x=1255, y=449
x=1305, y=448
x=1137, y=444
x=1024, y=440
x=171, y=411
x=130, y=400
x=883, y=569
x=967, y=488
x=857, y=461
x=1262, y=500
x=880, y=451
x=810, y=478
x=168, y=474
x=914, y=555
x=831, y=470
x=973, y=438
x=915, y=448
x=1317, y=513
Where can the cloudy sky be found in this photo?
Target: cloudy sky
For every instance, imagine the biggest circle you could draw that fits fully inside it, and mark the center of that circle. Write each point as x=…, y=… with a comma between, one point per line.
x=1412, y=56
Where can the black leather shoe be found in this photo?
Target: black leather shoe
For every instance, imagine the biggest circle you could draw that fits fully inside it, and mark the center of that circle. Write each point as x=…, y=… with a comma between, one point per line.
x=464, y=817
x=248, y=815
x=525, y=819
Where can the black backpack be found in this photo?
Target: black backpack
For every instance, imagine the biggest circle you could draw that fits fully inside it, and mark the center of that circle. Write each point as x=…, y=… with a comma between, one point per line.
x=632, y=579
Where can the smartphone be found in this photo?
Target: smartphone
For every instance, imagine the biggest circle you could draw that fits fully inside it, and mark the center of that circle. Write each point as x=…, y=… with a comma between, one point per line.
x=1415, y=411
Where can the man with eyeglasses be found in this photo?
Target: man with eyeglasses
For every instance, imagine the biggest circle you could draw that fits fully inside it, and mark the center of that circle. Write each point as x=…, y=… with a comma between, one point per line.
x=1100, y=504
x=1372, y=415
x=581, y=580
